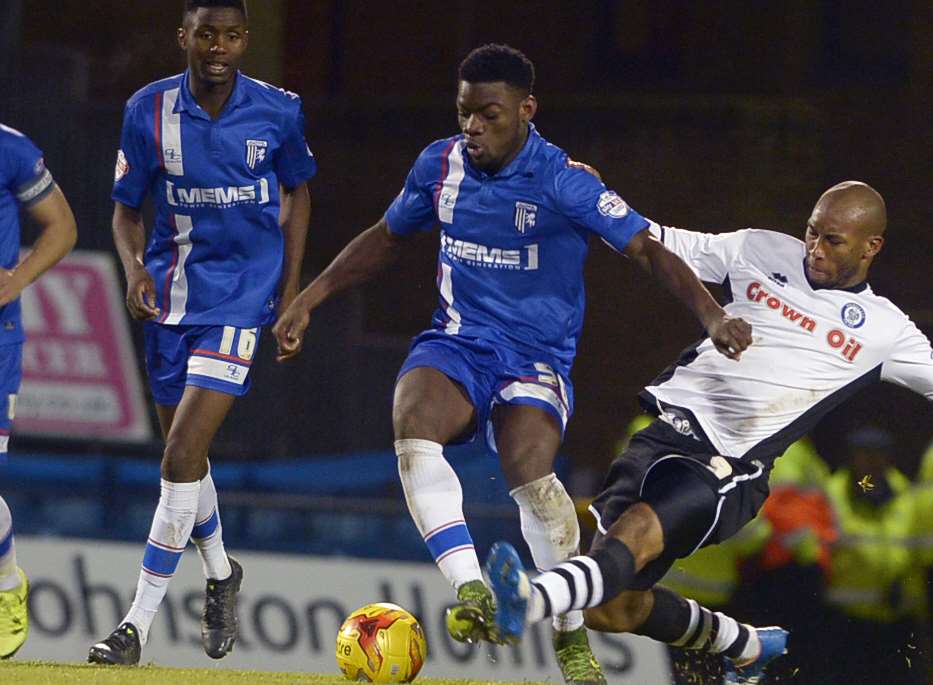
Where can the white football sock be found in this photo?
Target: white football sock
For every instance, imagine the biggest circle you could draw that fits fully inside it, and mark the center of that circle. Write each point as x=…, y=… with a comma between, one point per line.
x=435, y=500
x=207, y=534
x=9, y=578
x=171, y=528
x=550, y=527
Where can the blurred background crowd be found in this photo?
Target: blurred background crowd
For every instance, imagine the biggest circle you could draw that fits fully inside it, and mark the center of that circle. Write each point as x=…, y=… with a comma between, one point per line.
x=713, y=117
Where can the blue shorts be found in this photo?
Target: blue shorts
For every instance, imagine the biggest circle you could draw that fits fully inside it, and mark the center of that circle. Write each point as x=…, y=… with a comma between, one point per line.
x=11, y=375
x=213, y=357
x=493, y=374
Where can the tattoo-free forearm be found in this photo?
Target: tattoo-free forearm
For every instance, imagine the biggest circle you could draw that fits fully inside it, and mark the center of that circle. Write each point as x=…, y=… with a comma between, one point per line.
x=677, y=277
x=129, y=237
x=366, y=255
x=295, y=233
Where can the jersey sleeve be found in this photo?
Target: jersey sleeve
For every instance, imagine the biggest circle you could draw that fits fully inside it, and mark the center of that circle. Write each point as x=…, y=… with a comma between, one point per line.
x=586, y=201
x=709, y=255
x=412, y=210
x=295, y=163
x=910, y=363
x=29, y=181
x=135, y=162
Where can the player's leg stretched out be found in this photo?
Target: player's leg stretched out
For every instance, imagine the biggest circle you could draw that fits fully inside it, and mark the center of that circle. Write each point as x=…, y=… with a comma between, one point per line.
x=430, y=410
x=14, y=589
x=614, y=582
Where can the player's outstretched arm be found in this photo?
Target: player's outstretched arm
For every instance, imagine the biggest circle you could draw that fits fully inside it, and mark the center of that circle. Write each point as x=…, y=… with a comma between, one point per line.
x=730, y=335
x=129, y=236
x=58, y=233
x=363, y=257
x=295, y=230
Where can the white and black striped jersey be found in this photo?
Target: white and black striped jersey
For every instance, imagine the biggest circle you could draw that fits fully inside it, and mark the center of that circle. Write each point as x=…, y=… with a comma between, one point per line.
x=812, y=348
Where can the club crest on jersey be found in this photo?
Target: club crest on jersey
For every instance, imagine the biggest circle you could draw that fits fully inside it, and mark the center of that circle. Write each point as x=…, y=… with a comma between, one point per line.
x=447, y=199
x=525, y=216
x=255, y=152
x=122, y=168
x=611, y=205
x=853, y=315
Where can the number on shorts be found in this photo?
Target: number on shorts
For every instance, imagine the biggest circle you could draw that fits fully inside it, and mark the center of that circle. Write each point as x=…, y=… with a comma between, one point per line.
x=246, y=345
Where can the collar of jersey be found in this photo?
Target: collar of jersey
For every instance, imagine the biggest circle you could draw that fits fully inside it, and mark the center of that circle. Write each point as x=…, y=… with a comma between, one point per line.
x=523, y=162
x=857, y=288
x=187, y=103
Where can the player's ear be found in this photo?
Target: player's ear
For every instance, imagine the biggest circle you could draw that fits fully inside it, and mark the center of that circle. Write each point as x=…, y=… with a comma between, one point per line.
x=528, y=108
x=181, y=35
x=874, y=245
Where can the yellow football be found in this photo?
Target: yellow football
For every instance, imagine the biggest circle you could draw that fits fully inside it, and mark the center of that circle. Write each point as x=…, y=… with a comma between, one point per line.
x=381, y=643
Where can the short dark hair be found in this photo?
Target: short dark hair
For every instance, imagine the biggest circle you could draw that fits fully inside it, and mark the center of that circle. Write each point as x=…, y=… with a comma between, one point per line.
x=495, y=62
x=193, y=5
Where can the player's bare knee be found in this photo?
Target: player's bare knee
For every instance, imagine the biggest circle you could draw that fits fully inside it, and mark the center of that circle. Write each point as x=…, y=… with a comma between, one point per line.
x=182, y=462
x=412, y=415
x=624, y=614
x=410, y=422
x=640, y=529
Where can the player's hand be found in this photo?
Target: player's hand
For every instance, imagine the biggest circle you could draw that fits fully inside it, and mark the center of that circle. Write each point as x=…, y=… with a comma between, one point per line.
x=286, y=297
x=141, y=295
x=289, y=331
x=9, y=287
x=730, y=335
x=585, y=167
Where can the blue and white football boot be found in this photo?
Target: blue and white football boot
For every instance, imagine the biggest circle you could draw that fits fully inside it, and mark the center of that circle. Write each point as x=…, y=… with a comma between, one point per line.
x=512, y=589
x=773, y=644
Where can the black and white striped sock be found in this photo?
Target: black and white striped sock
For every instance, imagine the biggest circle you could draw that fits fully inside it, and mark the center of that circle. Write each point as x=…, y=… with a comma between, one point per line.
x=717, y=633
x=583, y=581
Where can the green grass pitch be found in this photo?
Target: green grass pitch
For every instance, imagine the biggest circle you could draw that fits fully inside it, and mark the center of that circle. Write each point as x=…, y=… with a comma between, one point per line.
x=44, y=673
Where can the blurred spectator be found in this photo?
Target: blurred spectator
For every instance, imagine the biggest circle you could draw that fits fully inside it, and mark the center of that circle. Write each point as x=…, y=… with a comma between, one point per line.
x=869, y=632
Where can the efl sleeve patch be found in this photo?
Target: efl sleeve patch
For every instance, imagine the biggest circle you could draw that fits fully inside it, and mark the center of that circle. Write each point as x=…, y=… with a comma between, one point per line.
x=36, y=189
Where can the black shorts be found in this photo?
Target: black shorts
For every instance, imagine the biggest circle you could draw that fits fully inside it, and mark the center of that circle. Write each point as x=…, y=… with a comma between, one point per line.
x=740, y=489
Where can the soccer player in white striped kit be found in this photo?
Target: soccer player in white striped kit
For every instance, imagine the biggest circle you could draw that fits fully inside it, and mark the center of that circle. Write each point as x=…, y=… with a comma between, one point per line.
x=700, y=472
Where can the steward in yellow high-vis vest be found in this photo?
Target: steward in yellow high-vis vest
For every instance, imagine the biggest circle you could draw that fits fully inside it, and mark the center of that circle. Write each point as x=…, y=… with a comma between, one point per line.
x=870, y=627
x=919, y=587
x=872, y=557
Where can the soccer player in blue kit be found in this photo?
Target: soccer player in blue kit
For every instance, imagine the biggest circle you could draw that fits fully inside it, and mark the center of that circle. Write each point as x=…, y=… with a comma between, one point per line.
x=26, y=183
x=212, y=147
x=515, y=217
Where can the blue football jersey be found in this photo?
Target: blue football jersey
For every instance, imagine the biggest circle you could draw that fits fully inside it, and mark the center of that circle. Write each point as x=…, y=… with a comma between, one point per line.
x=216, y=248
x=512, y=244
x=24, y=181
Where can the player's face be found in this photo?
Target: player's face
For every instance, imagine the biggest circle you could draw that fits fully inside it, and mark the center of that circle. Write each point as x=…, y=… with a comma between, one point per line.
x=214, y=40
x=494, y=118
x=838, y=252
